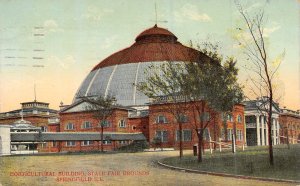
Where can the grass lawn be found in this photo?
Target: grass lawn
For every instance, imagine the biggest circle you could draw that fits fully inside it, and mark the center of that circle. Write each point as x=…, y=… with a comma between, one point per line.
x=251, y=162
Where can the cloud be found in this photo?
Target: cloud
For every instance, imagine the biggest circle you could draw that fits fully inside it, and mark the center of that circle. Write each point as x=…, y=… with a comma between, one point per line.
x=51, y=26
x=268, y=31
x=191, y=12
x=94, y=14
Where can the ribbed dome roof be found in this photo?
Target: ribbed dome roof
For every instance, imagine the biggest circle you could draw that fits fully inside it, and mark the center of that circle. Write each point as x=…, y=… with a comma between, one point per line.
x=119, y=73
x=153, y=44
x=156, y=31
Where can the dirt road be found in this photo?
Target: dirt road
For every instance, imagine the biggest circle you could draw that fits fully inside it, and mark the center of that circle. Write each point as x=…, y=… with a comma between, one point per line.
x=105, y=169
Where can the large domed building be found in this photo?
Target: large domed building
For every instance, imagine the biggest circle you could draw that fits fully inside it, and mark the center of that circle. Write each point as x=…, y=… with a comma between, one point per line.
x=132, y=119
x=118, y=74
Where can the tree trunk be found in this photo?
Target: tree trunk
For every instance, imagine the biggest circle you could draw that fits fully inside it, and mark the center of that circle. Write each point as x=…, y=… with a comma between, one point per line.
x=200, y=135
x=200, y=139
x=287, y=138
x=225, y=129
x=271, y=158
x=234, y=131
x=180, y=140
x=101, y=138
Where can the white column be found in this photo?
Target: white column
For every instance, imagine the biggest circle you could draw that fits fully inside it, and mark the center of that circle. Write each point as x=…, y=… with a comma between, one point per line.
x=267, y=134
x=257, y=130
x=278, y=137
x=263, y=141
x=274, y=132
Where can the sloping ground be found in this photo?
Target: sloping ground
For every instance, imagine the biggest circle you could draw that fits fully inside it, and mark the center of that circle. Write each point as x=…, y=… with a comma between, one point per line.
x=252, y=162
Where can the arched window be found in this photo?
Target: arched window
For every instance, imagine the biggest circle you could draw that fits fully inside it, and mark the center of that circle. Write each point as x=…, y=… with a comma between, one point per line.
x=122, y=123
x=161, y=119
x=239, y=119
x=229, y=117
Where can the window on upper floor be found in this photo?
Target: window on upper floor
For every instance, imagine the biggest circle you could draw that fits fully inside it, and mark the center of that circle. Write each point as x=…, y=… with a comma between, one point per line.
x=250, y=119
x=161, y=119
x=105, y=123
x=122, y=123
x=204, y=116
x=229, y=118
x=239, y=119
x=183, y=118
x=86, y=125
x=70, y=126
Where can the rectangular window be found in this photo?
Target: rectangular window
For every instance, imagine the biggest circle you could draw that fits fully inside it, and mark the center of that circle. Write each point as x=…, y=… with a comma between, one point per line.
x=70, y=143
x=70, y=126
x=54, y=144
x=87, y=143
x=106, y=142
x=105, y=123
x=162, y=135
x=204, y=116
x=183, y=118
x=123, y=142
x=161, y=119
x=239, y=135
x=44, y=129
x=186, y=135
x=250, y=119
x=87, y=125
x=44, y=145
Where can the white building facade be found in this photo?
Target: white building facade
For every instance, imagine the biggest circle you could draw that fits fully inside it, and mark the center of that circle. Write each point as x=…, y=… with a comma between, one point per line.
x=256, y=119
x=4, y=140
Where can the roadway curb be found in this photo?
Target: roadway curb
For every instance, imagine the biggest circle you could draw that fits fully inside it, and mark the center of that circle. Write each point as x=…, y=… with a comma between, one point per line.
x=224, y=174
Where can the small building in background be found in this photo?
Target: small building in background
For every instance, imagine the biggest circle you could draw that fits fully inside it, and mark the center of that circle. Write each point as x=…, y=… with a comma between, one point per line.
x=289, y=126
x=37, y=113
x=24, y=147
x=33, y=115
x=5, y=140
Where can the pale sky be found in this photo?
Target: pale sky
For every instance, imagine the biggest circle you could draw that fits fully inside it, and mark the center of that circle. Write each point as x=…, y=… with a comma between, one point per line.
x=55, y=44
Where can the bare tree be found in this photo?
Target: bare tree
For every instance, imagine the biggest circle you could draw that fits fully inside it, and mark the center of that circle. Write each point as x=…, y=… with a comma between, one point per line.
x=255, y=48
x=102, y=108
